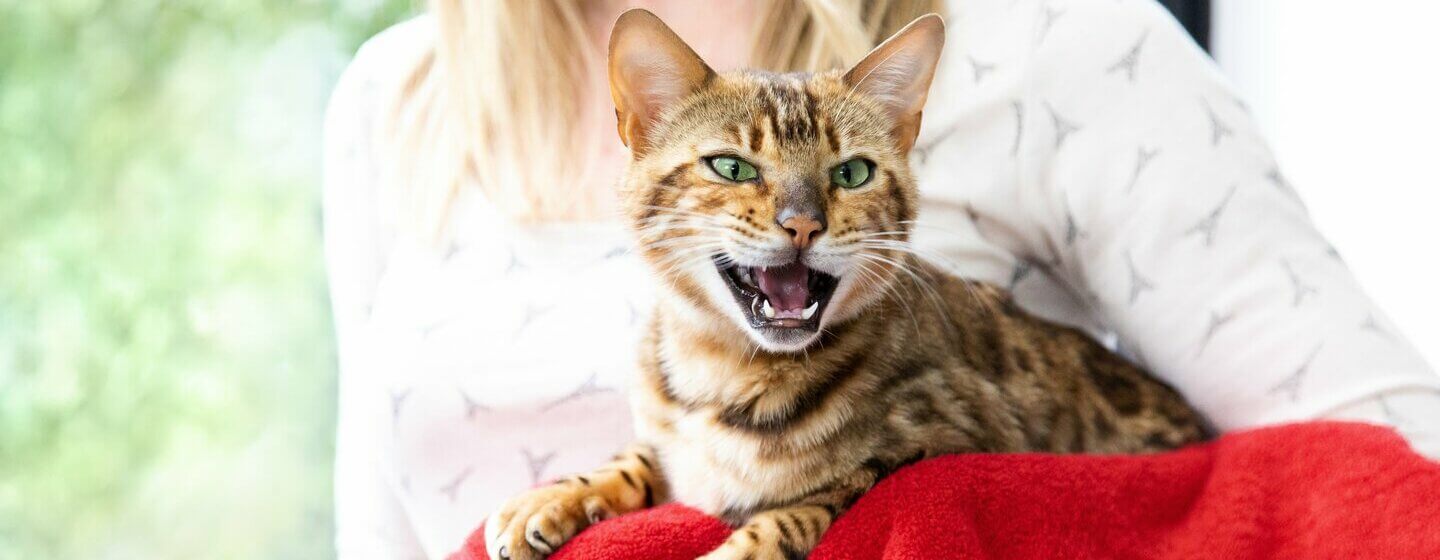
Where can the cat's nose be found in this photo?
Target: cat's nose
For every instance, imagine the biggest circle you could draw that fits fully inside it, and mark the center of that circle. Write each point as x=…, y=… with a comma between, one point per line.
x=803, y=227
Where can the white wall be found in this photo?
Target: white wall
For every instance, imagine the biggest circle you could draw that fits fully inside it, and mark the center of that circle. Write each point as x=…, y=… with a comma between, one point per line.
x=1348, y=92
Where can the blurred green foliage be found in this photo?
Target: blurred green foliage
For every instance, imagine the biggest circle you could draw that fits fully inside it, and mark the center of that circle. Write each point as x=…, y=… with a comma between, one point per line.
x=166, y=361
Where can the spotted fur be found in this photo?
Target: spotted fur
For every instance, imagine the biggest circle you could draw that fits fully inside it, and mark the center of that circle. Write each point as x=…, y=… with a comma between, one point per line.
x=909, y=361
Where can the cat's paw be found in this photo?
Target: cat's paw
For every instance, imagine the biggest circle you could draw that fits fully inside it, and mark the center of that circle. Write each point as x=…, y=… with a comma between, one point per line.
x=533, y=525
x=742, y=545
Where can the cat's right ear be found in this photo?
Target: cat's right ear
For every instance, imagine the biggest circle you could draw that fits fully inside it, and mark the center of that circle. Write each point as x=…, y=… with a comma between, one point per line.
x=650, y=69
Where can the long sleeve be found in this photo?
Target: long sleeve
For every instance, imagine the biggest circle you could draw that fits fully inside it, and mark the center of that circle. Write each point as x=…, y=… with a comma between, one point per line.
x=1170, y=216
x=370, y=521
x=1414, y=412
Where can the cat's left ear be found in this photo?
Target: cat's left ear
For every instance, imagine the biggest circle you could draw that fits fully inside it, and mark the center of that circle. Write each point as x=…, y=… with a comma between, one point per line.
x=650, y=69
x=898, y=74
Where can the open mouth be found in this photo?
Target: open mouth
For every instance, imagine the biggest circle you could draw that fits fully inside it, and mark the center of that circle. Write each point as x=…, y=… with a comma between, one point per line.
x=793, y=296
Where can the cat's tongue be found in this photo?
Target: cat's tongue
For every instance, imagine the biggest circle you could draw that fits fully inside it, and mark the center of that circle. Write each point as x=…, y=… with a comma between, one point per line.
x=787, y=287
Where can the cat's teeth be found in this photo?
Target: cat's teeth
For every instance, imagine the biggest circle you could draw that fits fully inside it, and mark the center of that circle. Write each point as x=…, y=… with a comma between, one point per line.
x=810, y=311
x=768, y=311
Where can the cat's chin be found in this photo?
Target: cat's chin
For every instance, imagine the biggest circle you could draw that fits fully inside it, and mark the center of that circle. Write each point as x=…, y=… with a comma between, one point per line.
x=782, y=306
x=782, y=340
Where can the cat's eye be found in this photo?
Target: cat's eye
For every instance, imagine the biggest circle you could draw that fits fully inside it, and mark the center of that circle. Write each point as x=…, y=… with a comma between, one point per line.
x=734, y=169
x=851, y=174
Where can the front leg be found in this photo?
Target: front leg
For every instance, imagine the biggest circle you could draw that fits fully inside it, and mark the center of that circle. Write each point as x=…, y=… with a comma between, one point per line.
x=534, y=524
x=790, y=532
x=777, y=534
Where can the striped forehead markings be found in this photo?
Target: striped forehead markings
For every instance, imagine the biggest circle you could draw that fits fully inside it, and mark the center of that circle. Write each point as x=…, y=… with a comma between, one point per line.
x=791, y=112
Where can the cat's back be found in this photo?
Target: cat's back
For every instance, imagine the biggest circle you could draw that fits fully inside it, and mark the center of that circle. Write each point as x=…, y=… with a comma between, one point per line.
x=1091, y=399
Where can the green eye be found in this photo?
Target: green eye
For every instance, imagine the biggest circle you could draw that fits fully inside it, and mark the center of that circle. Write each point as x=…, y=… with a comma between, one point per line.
x=734, y=169
x=851, y=174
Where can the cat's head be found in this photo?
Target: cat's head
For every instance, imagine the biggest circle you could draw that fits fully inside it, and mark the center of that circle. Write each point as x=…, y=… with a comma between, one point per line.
x=776, y=203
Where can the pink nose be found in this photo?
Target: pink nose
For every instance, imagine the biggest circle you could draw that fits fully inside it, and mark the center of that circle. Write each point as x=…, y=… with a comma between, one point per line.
x=803, y=229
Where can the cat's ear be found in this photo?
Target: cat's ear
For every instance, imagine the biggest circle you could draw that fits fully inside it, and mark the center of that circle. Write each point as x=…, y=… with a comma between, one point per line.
x=898, y=74
x=650, y=69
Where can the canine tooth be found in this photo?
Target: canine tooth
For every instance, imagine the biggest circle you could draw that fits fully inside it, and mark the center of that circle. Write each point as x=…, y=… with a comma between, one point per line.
x=810, y=311
x=767, y=310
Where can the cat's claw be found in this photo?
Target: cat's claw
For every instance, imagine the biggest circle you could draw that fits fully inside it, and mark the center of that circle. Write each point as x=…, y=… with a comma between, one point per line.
x=535, y=524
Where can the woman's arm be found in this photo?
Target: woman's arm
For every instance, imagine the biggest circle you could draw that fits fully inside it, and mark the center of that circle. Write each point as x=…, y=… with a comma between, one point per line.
x=370, y=521
x=1172, y=218
x=1414, y=412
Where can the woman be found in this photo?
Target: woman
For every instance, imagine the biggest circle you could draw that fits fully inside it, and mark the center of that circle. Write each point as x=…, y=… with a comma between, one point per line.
x=1083, y=153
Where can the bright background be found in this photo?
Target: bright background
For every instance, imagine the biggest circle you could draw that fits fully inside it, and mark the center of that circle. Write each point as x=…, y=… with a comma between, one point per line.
x=166, y=367
x=1348, y=92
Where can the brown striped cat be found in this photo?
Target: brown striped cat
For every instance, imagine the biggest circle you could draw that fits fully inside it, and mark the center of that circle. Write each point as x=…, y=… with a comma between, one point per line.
x=800, y=351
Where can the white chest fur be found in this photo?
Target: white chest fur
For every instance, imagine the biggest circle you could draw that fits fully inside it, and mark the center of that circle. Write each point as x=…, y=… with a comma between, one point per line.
x=714, y=469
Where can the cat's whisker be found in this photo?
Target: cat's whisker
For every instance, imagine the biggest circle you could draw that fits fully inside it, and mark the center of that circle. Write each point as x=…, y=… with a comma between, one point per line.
x=922, y=283
x=754, y=349
x=682, y=239
x=690, y=219
x=932, y=226
x=907, y=247
x=909, y=270
x=888, y=290
x=934, y=257
x=675, y=260
x=885, y=282
x=674, y=210
x=681, y=231
x=676, y=243
x=675, y=266
x=661, y=212
x=929, y=255
x=672, y=225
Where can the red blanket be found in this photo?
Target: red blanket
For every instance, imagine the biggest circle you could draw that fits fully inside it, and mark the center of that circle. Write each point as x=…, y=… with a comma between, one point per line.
x=1311, y=491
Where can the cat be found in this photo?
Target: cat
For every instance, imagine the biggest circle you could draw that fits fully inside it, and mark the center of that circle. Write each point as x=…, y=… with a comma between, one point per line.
x=800, y=351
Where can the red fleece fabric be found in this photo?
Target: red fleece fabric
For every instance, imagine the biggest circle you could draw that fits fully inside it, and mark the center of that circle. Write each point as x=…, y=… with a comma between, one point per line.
x=1303, y=491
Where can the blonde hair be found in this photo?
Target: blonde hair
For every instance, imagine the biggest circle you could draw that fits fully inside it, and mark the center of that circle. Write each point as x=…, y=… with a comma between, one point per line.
x=497, y=92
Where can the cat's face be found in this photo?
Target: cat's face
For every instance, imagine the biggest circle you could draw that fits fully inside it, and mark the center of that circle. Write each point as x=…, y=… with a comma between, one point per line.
x=776, y=203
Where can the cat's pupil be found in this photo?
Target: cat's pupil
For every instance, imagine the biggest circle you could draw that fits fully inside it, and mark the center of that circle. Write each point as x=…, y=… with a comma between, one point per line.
x=845, y=173
x=734, y=169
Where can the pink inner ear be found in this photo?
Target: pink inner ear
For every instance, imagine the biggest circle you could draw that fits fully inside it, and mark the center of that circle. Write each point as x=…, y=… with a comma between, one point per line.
x=656, y=86
x=898, y=72
x=894, y=83
x=650, y=69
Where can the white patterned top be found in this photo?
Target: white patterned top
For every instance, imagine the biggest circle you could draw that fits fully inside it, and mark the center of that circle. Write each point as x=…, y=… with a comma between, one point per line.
x=1084, y=153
